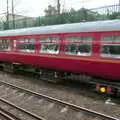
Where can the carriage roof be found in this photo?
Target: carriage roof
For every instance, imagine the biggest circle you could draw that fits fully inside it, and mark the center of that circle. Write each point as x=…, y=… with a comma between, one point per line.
x=108, y=25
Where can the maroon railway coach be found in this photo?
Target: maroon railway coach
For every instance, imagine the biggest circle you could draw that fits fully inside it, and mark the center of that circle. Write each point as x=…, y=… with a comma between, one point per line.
x=88, y=49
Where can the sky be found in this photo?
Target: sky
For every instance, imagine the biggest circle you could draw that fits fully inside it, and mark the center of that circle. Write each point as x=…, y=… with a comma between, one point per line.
x=36, y=8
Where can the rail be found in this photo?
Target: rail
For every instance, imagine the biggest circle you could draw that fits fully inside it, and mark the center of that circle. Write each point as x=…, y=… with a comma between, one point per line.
x=72, y=106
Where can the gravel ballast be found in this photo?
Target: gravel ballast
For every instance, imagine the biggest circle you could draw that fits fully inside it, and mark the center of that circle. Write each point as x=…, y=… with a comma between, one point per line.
x=78, y=96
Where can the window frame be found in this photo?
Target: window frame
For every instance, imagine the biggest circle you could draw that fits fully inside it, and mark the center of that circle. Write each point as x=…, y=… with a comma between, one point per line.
x=3, y=44
x=82, y=42
x=26, y=42
x=111, y=42
x=57, y=42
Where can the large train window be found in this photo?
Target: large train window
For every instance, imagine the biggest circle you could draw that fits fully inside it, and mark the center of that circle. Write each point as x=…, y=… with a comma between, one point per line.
x=26, y=45
x=110, y=47
x=49, y=45
x=110, y=38
x=5, y=44
x=78, y=45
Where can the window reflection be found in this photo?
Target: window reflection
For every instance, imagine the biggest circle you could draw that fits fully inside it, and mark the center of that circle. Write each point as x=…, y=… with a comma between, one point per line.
x=110, y=50
x=110, y=46
x=49, y=45
x=76, y=45
x=5, y=44
x=26, y=45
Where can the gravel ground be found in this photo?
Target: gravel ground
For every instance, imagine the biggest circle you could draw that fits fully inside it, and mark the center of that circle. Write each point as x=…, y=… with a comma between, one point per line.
x=49, y=110
x=75, y=95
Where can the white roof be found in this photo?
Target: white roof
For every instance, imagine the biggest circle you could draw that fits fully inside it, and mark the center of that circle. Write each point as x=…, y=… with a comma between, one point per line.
x=107, y=25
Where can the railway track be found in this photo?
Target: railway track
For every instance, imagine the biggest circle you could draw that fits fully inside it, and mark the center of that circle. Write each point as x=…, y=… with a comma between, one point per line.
x=45, y=106
x=9, y=111
x=5, y=115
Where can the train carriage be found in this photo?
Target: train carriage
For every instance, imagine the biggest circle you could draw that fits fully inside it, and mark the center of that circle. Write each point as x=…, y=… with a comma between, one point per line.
x=90, y=49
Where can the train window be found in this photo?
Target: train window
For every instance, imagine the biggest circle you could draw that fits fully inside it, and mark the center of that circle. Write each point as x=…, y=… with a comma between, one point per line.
x=78, y=39
x=49, y=45
x=73, y=39
x=50, y=48
x=87, y=38
x=5, y=44
x=117, y=39
x=26, y=45
x=80, y=46
x=110, y=50
x=78, y=49
x=106, y=38
x=114, y=38
x=14, y=44
x=49, y=39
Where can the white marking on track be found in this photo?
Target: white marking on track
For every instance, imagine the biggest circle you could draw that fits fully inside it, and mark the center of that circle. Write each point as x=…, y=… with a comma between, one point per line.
x=1, y=86
x=51, y=105
x=40, y=101
x=6, y=89
x=14, y=91
x=65, y=109
x=29, y=98
x=79, y=115
x=21, y=94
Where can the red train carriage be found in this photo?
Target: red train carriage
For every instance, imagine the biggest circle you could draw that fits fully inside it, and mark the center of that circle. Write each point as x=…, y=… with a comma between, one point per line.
x=84, y=49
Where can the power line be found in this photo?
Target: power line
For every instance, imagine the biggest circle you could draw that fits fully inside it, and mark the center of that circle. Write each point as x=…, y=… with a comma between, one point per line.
x=13, y=16
x=58, y=6
x=7, y=16
x=119, y=5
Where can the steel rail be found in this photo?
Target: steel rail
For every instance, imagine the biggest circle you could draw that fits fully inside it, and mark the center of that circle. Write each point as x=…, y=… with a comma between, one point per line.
x=21, y=109
x=7, y=115
x=76, y=107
